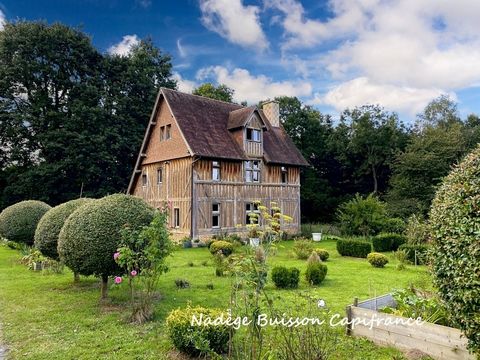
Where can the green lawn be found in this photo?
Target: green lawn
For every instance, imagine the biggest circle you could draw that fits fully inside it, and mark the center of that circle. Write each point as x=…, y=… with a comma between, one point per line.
x=46, y=316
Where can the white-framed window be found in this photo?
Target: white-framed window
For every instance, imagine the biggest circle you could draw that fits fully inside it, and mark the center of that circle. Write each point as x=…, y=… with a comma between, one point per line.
x=215, y=171
x=144, y=179
x=215, y=215
x=253, y=135
x=159, y=175
x=176, y=217
x=251, y=208
x=284, y=175
x=252, y=170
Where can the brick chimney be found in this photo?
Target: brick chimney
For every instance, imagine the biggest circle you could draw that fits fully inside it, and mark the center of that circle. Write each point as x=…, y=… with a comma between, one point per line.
x=271, y=109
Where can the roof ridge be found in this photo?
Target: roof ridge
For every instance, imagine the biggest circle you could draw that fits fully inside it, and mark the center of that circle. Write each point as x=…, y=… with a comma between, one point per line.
x=204, y=97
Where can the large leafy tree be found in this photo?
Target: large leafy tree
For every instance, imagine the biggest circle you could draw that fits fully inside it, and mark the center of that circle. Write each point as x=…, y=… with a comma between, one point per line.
x=439, y=140
x=71, y=118
x=220, y=92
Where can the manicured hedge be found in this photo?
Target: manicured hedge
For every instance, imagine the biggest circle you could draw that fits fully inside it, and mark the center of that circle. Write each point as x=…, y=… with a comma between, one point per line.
x=322, y=253
x=315, y=273
x=355, y=248
x=454, y=224
x=49, y=226
x=194, y=339
x=422, y=253
x=285, y=278
x=387, y=242
x=91, y=234
x=19, y=221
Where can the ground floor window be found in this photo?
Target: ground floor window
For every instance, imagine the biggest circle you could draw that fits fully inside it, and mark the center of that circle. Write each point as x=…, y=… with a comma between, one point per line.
x=251, y=208
x=176, y=217
x=144, y=179
x=215, y=215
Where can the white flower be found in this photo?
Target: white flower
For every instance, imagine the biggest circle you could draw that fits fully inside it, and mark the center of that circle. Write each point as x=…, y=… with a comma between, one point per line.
x=321, y=303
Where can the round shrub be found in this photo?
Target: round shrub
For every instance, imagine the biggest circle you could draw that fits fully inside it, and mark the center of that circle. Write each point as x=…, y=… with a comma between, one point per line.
x=195, y=338
x=224, y=247
x=377, y=260
x=49, y=226
x=91, y=234
x=455, y=223
x=355, y=248
x=19, y=221
x=285, y=278
x=323, y=254
x=316, y=273
x=302, y=248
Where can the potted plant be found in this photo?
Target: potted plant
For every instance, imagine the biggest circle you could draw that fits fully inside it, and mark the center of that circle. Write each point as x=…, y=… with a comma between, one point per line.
x=195, y=243
x=254, y=234
x=317, y=236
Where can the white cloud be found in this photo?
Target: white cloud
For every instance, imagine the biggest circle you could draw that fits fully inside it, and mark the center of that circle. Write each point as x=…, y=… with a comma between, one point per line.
x=235, y=22
x=144, y=3
x=3, y=20
x=362, y=91
x=184, y=85
x=411, y=49
x=254, y=88
x=124, y=47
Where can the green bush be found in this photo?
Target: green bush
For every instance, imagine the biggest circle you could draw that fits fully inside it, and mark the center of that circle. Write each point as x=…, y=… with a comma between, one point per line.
x=224, y=247
x=355, y=248
x=285, y=278
x=322, y=253
x=315, y=273
x=377, y=260
x=416, y=230
x=454, y=221
x=387, y=242
x=92, y=233
x=362, y=216
x=421, y=253
x=197, y=339
x=394, y=225
x=302, y=248
x=19, y=221
x=49, y=226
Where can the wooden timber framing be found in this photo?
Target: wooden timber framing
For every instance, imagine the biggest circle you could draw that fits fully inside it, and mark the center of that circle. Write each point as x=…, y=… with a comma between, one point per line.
x=187, y=137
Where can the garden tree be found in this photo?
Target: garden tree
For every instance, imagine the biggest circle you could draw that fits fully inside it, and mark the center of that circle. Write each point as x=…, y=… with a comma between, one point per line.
x=454, y=225
x=439, y=140
x=19, y=221
x=371, y=137
x=92, y=234
x=311, y=132
x=70, y=116
x=220, y=92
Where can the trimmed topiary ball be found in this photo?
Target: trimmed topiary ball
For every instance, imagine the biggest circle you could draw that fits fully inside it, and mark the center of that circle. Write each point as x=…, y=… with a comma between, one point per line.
x=19, y=221
x=49, y=226
x=455, y=255
x=315, y=273
x=224, y=247
x=377, y=260
x=91, y=234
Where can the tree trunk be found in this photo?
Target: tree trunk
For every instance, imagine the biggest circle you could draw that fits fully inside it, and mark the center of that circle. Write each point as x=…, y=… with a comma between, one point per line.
x=76, y=277
x=104, y=289
x=375, y=181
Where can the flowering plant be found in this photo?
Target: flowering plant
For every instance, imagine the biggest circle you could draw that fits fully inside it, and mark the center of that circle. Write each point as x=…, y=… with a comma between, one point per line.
x=142, y=255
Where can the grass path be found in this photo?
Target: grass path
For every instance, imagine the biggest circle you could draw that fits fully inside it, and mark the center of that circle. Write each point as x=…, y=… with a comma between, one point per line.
x=46, y=316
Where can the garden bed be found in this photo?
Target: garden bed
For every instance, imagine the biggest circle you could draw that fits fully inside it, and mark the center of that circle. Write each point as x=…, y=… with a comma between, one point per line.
x=437, y=341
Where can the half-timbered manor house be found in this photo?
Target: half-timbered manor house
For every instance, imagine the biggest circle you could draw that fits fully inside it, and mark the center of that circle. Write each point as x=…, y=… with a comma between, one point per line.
x=212, y=160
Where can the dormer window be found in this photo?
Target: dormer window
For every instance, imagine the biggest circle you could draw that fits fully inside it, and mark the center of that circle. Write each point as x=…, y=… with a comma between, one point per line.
x=254, y=135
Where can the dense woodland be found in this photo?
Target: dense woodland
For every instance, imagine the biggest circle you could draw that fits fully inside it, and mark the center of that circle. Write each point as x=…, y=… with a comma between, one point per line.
x=72, y=120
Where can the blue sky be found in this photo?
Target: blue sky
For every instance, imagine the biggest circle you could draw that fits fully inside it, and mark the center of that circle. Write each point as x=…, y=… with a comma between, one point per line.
x=332, y=54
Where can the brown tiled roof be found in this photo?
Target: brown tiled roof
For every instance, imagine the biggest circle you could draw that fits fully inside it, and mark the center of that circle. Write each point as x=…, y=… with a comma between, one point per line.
x=205, y=123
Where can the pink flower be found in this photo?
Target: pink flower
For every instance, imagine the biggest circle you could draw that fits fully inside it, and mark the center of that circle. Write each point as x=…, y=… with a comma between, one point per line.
x=116, y=255
x=118, y=279
x=133, y=273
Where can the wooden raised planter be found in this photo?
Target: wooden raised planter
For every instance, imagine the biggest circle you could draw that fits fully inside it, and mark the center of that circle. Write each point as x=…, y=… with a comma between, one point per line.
x=437, y=341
